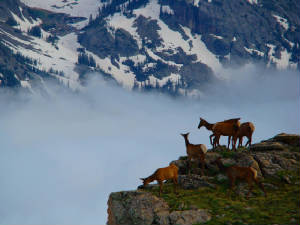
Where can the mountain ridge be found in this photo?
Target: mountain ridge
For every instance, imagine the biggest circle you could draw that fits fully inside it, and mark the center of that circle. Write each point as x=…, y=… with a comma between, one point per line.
x=172, y=46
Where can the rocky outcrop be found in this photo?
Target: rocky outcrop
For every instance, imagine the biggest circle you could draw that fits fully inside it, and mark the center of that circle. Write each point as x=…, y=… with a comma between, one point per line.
x=143, y=208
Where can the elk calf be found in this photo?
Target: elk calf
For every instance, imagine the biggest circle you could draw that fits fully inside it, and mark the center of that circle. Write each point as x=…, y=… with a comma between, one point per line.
x=161, y=174
x=247, y=174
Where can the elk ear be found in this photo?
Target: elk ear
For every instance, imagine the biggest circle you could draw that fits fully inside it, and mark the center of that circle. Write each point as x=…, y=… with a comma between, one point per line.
x=142, y=179
x=201, y=118
x=182, y=134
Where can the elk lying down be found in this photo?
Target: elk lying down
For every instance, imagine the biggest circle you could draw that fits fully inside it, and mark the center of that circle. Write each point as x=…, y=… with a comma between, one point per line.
x=247, y=174
x=161, y=174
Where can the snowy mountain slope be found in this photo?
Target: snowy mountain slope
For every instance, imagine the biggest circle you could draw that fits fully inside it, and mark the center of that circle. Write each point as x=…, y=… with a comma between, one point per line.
x=172, y=46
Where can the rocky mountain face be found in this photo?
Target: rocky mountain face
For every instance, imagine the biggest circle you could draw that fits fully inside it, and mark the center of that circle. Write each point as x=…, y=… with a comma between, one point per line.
x=173, y=46
x=275, y=160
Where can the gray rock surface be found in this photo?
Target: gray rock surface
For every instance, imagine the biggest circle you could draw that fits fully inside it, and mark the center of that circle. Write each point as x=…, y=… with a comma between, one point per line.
x=143, y=208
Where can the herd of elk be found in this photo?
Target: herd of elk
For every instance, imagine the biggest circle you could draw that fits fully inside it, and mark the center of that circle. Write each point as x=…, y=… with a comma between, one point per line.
x=231, y=128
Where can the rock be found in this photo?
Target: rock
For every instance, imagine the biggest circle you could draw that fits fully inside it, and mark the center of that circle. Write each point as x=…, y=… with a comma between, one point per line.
x=134, y=207
x=268, y=146
x=247, y=160
x=267, y=167
x=209, y=158
x=270, y=186
x=193, y=182
x=221, y=178
x=148, y=187
x=189, y=217
x=286, y=179
x=270, y=163
x=290, y=139
x=143, y=208
x=181, y=164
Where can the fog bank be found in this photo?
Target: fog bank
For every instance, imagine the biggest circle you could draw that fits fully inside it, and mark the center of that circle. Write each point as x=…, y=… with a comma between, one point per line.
x=62, y=155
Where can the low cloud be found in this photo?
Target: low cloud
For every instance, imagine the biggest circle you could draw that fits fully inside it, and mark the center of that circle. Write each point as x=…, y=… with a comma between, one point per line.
x=63, y=154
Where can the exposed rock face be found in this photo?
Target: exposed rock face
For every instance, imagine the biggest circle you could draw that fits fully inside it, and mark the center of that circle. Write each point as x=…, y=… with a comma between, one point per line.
x=194, y=181
x=267, y=157
x=142, y=208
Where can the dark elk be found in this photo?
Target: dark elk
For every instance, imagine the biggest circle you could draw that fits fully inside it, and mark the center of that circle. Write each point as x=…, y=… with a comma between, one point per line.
x=245, y=130
x=247, y=174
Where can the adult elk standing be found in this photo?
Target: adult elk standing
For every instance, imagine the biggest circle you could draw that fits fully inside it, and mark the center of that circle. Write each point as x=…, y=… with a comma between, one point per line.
x=194, y=152
x=246, y=129
x=226, y=128
x=247, y=174
x=161, y=174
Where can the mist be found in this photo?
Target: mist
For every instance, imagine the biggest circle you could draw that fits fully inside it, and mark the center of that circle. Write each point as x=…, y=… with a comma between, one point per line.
x=63, y=154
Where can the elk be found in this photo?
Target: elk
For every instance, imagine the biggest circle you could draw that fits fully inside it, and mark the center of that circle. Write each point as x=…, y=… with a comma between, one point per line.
x=246, y=129
x=194, y=152
x=247, y=174
x=161, y=174
x=225, y=128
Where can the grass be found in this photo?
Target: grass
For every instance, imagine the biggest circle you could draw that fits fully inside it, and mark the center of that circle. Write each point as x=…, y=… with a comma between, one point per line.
x=280, y=207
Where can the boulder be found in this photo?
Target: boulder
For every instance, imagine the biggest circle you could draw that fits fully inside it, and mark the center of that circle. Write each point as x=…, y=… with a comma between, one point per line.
x=268, y=146
x=194, y=181
x=143, y=208
x=290, y=139
x=194, y=216
x=134, y=207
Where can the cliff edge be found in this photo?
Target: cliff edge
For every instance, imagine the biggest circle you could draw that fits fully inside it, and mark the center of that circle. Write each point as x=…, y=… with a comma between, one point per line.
x=206, y=200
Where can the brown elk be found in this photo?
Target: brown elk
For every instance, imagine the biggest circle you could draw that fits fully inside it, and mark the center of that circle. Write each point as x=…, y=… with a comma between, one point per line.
x=226, y=128
x=194, y=152
x=246, y=129
x=161, y=174
x=247, y=174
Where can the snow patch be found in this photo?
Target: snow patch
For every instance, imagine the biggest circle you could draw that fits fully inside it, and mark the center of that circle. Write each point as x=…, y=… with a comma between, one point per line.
x=254, y=51
x=283, y=62
x=167, y=9
x=203, y=54
x=82, y=8
x=24, y=24
x=216, y=36
x=173, y=78
x=252, y=2
x=118, y=20
x=137, y=59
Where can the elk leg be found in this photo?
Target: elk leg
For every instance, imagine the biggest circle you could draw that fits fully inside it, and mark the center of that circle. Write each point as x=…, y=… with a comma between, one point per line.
x=229, y=137
x=241, y=142
x=210, y=138
x=175, y=182
x=160, y=187
x=189, y=162
x=249, y=141
x=261, y=186
x=250, y=185
x=232, y=184
x=234, y=144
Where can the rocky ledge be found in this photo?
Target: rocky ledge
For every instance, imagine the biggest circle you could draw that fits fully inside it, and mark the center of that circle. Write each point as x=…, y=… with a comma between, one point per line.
x=139, y=207
x=269, y=157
